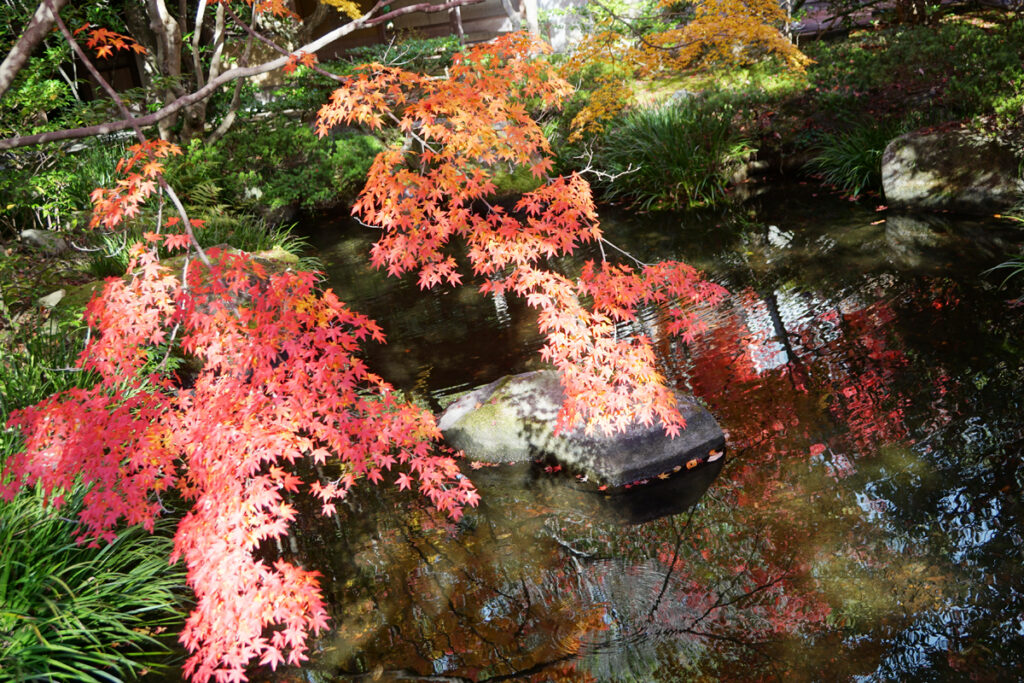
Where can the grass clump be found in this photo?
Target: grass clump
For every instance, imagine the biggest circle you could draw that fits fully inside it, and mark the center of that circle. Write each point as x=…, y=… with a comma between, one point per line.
x=69, y=612
x=679, y=154
x=852, y=159
x=72, y=613
x=244, y=232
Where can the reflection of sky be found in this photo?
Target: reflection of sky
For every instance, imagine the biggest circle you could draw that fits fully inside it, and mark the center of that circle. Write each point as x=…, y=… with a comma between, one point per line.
x=801, y=315
x=765, y=351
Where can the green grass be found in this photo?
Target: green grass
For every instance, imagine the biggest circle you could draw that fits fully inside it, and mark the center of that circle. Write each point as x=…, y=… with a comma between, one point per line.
x=240, y=231
x=72, y=613
x=852, y=159
x=679, y=154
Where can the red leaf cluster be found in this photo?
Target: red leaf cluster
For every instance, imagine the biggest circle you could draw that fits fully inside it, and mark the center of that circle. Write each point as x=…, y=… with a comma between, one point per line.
x=281, y=381
x=104, y=41
x=140, y=170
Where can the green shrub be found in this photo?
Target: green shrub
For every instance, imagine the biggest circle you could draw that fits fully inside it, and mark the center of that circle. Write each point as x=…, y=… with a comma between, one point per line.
x=35, y=365
x=676, y=155
x=852, y=159
x=277, y=163
x=50, y=188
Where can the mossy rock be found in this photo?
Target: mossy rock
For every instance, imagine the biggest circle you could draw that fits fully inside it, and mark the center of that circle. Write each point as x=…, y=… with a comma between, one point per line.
x=512, y=420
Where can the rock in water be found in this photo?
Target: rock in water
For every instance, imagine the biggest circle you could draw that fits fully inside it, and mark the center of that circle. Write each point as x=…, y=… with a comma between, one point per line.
x=512, y=420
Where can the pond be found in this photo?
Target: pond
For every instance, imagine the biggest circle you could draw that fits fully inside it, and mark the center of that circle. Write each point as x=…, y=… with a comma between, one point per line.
x=866, y=523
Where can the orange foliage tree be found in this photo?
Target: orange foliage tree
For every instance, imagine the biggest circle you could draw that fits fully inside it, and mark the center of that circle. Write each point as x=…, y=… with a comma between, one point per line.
x=277, y=387
x=666, y=37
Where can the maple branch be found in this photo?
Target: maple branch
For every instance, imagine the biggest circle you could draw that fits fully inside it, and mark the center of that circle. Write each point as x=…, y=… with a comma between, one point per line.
x=588, y=156
x=131, y=121
x=425, y=7
x=643, y=39
x=625, y=253
x=214, y=84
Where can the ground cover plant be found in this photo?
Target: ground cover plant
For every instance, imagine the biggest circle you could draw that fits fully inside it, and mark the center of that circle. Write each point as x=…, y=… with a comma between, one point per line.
x=678, y=154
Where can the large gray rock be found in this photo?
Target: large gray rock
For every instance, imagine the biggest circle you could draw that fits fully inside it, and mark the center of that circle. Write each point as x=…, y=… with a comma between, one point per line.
x=45, y=241
x=512, y=420
x=956, y=170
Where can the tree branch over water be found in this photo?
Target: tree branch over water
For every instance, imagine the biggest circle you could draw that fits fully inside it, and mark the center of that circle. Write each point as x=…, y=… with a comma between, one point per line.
x=37, y=30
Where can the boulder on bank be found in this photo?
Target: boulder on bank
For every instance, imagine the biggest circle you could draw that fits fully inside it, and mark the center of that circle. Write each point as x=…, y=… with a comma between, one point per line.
x=512, y=420
x=46, y=241
x=954, y=170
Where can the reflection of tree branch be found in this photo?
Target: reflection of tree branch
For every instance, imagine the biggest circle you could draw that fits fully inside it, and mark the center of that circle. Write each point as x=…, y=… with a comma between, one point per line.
x=529, y=606
x=467, y=622
x=400, y=675
x=680, y=535
x=535, y=669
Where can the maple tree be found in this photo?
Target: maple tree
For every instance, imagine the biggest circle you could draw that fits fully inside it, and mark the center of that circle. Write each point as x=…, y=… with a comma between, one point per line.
x=190, y=55
x=276, y=376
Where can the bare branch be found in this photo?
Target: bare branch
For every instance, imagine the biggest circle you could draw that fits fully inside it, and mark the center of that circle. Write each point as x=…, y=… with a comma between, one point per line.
x=132, y=122
x=38, y=27
x=226, y=77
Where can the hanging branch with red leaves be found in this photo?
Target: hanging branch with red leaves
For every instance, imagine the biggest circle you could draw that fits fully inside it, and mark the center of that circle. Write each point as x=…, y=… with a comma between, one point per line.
x=422, y=194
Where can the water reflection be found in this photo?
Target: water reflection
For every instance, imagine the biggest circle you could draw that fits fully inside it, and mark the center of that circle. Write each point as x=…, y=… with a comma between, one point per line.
x=867, y=525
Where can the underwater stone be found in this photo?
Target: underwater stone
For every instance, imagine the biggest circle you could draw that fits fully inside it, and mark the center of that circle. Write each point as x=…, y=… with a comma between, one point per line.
x=512, y=420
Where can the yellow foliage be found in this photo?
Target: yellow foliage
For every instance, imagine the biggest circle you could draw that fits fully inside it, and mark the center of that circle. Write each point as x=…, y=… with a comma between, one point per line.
x=718, y=31
x=346, y=7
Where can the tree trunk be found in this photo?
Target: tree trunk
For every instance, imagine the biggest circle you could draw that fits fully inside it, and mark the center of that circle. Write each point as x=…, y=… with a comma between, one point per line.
x=532, y=16
x=168, y=57
x=455, y=18
x=512, y=13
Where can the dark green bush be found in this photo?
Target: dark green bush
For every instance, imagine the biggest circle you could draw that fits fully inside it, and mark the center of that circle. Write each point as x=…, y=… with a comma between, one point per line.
x=422, y=55
x=277, y=163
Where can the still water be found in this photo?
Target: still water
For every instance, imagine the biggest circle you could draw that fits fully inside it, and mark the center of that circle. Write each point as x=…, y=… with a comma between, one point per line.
x=866, y=524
